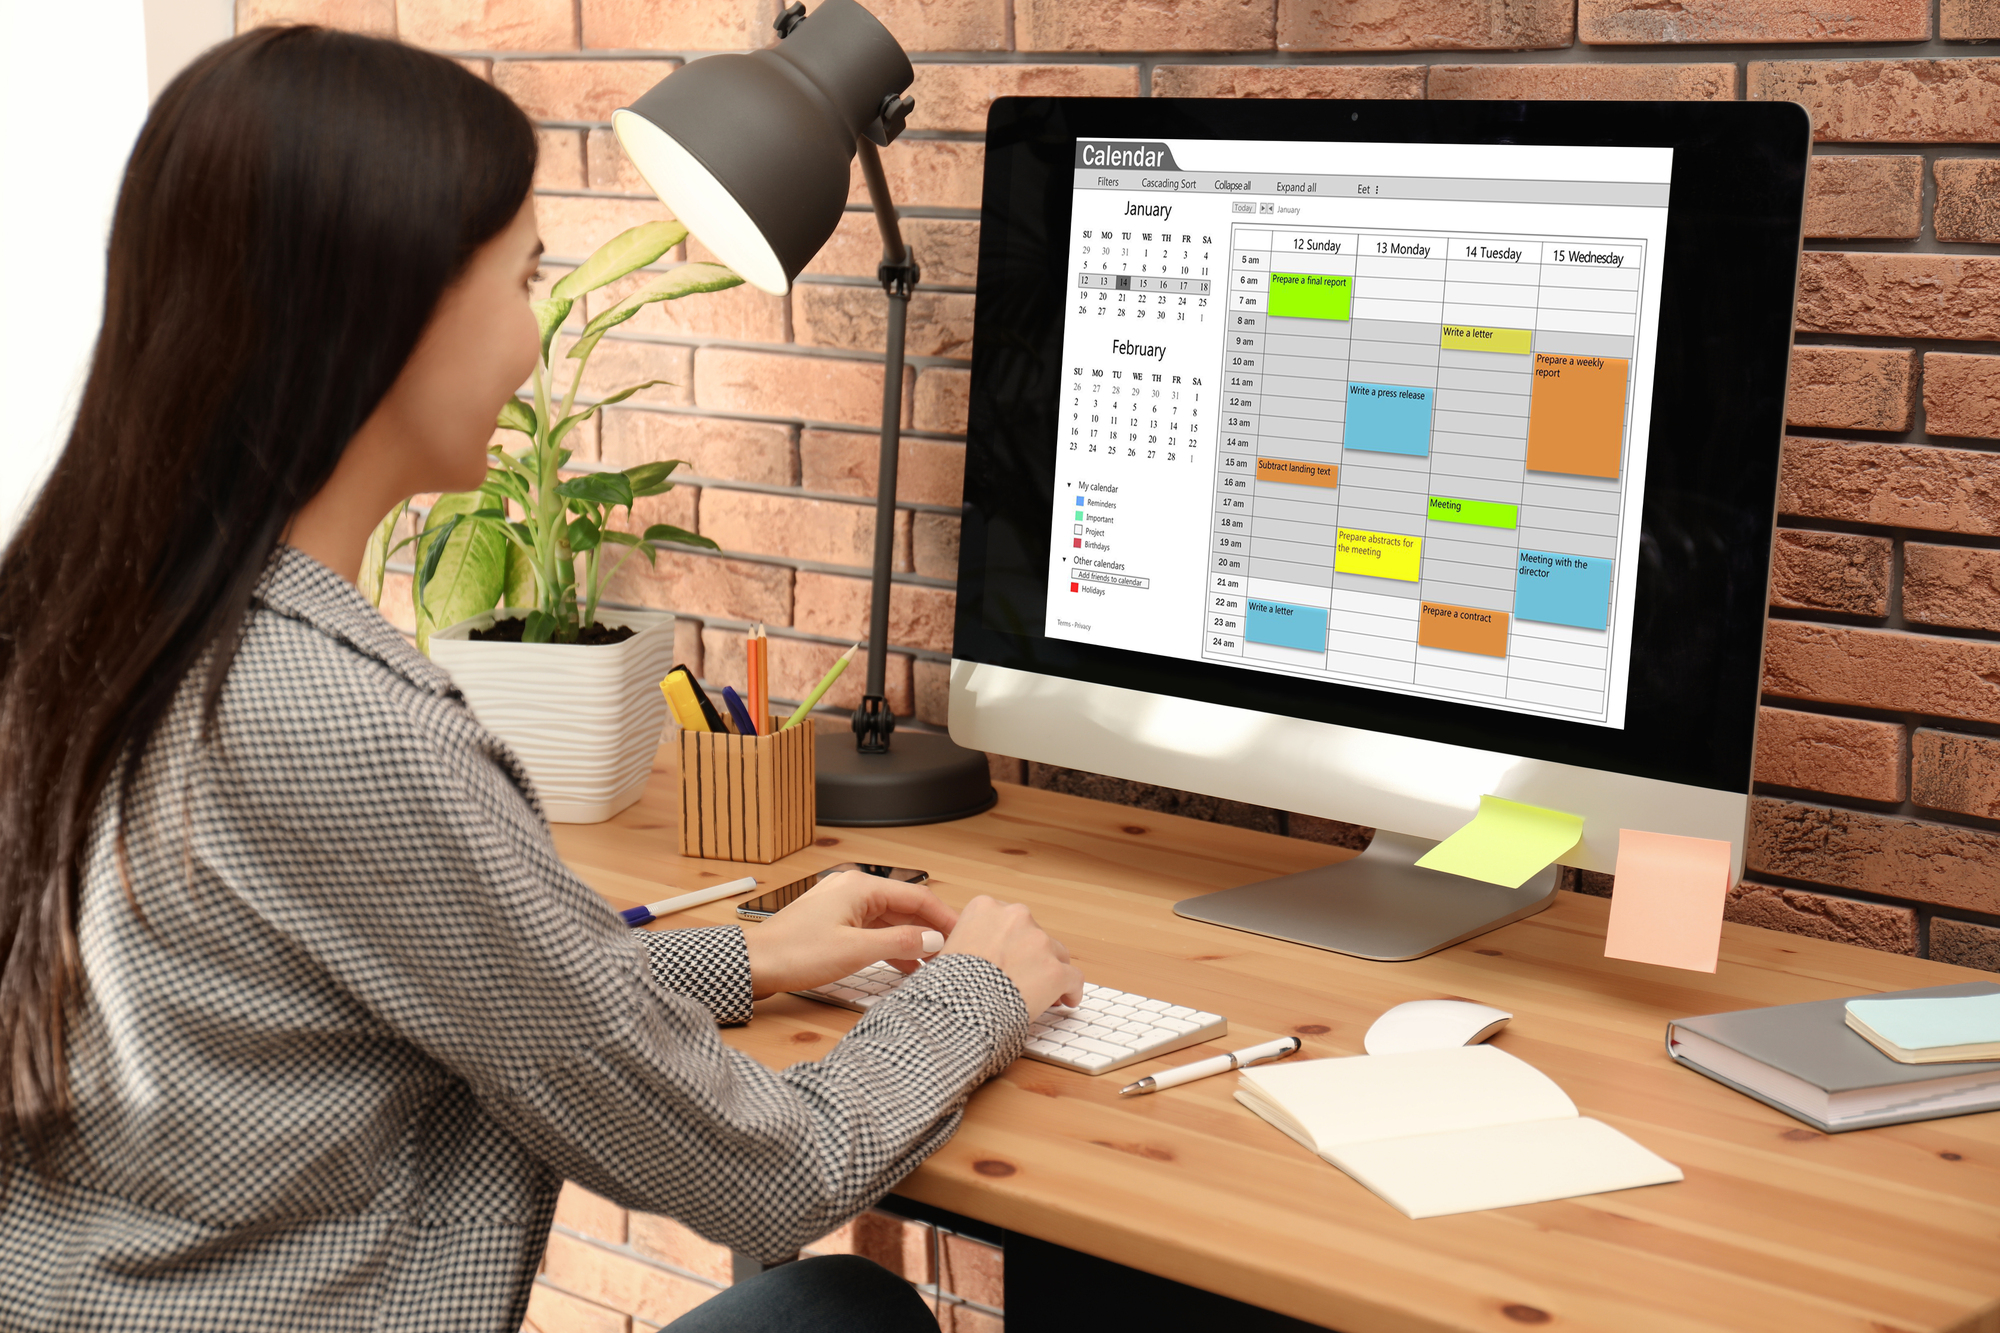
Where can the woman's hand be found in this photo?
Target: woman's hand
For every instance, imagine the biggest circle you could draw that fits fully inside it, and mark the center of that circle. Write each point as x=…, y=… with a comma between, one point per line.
x=841, y=925
x=1006, y=935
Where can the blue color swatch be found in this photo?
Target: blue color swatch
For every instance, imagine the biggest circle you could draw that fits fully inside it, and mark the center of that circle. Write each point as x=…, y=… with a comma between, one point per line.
x=1285, y=625
x=1563, y=589
x=1389, y=419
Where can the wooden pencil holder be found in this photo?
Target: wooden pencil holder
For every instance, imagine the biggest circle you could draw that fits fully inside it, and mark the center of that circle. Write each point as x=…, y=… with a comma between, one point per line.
x=747, y=798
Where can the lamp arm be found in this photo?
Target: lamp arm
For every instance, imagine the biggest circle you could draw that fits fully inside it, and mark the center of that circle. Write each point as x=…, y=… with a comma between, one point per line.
x=874, y=723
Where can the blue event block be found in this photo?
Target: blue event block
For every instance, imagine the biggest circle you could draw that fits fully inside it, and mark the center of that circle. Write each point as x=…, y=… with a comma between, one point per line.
x=1389, y=419
x=1285, y=625
x=1562, y=589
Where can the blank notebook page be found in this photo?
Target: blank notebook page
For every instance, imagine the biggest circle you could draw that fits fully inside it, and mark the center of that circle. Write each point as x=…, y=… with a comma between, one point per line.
x=1365, y=1097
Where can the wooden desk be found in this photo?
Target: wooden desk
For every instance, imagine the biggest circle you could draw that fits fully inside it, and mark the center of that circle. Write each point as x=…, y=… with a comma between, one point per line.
x=1775, y=1228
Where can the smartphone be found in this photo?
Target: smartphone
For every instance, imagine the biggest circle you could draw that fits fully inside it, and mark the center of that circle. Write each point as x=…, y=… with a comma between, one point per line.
x=759, y=908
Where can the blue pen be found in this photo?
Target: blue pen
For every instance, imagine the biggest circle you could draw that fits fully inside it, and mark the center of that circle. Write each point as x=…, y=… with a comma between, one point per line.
x=639, y=916
x=736, y=710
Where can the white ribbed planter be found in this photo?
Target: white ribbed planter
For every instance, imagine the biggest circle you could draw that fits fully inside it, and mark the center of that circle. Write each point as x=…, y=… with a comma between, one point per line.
x=585, y=721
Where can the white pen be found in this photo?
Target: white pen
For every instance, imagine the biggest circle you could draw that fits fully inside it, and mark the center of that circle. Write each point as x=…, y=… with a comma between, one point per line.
x=639, y=916
x=1219, y=1064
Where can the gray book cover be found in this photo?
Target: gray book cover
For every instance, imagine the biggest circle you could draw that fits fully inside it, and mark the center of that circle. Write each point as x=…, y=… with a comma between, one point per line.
x=1813, y=1043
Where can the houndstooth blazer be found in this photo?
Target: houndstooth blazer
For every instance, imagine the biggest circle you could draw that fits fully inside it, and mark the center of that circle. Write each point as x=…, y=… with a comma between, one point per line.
x=332, y=1070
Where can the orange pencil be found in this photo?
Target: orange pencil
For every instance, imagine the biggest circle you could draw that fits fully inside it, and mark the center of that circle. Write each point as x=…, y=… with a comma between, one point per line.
x=760, y=677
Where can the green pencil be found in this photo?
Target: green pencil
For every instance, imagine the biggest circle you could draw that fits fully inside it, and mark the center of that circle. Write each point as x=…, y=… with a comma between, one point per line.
x=819, y=691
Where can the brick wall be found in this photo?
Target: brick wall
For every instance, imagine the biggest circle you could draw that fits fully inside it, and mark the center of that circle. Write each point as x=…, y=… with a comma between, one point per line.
x=1877, y=818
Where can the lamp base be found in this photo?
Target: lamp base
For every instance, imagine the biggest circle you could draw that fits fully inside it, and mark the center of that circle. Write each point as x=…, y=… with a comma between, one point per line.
x=923, y=779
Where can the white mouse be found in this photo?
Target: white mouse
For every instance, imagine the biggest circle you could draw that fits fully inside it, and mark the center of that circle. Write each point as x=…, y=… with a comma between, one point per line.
x=1432, y=1025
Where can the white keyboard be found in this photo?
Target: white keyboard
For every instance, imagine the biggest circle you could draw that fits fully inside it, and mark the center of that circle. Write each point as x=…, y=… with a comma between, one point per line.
x=1109, y=1030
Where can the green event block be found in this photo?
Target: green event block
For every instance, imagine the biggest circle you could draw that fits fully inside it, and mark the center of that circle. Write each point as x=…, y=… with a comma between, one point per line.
x=1311, y=295
x=1485, y=513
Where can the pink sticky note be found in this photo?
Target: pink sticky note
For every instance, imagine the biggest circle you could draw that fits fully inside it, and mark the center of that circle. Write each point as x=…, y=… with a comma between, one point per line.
x=1666, y=906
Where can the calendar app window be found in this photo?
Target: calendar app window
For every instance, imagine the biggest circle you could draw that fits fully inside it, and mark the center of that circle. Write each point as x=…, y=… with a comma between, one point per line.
x=1366, y=413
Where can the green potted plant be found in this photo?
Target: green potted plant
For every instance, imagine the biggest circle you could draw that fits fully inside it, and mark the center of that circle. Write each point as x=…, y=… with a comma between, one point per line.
x=510, y=578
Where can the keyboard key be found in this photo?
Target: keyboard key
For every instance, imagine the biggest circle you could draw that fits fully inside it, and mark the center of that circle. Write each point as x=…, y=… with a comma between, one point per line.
x=1041, y=1046
x=1094, y=1061
x=1181, y=1011
x=1155, y=1006
x=1179, y=1025
x=1104, y=1048
x=866, y=1000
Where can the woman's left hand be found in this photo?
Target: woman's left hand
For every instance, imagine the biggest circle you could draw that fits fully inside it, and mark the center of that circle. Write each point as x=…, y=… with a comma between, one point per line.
x=841, y=925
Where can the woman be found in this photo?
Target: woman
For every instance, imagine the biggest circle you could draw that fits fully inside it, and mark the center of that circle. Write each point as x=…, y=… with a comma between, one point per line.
x=304, y=1020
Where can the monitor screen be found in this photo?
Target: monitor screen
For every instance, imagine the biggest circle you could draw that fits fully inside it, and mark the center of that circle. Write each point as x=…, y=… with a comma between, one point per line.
x=1454, y=421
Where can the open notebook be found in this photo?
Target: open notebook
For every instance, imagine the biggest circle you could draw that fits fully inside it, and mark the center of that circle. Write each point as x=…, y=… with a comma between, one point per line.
x=1452, y=1131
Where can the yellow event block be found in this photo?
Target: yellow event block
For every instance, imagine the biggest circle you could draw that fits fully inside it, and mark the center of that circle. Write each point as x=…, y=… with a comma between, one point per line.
x=1382, y=555
x=1468, y=338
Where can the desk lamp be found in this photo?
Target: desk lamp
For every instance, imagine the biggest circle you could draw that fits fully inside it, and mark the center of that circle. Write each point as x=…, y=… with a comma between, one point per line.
x=752, y=154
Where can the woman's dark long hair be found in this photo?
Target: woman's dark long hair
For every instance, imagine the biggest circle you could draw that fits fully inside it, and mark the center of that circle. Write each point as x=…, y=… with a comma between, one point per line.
x=295, y=206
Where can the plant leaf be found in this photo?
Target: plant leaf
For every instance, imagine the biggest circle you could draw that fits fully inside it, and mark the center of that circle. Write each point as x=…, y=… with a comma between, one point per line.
x=540, y=627
x=519, y=583
x=667, y=532
x=602, y=488
x=584, y=535
x=517, y=415
x=651, y=478
x=461, y=564
x=570, y=423
x=375, y=556
x=550, y=315
x=631, y=249
x=501, y=485
x=685, y=280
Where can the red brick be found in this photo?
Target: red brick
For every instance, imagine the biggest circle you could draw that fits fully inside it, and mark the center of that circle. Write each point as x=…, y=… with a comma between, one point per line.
x=573, y=226
x=1340, y=81
x=1900, y=295
x=857, y=319
x=397, y=607
x=1887, y=101
x=1953, y=586
x=687, y=643
x=1424, y=25
x=965, y=1319
x=710, y=446
x=1968, y=20
x=621, y=1282
x=680, y=506
x=1671, y=83
x=1871, y=668
x=899, y=1245
x=955, y=97
x=1968, y=200
x=1841, y=756
x=944, y=25
x=1648, y=22
x=578, y=89
x=1879, y=196
x=1823, y=916
x=933, y=689
x=740, y=314
x=837, y=606
x=928, y=173
x=847, y=463
x=1895, y=856
x=944, y=397
x=934, y=545
x=479, y=69
x=665, y=1239
x=1962, y=394
x=581, y=1211
x=560, y=164
x=1895, y=485
x=1003, y=769
x=488, y=25
x=371, y=16
x=1164, y=25
x=818, y=388
x=676, y=25
x=554, y=1311
x=946, y=248
x=972, y=1270
x=1955, y=772
x=607, y=167
x=1329, y=832
x=618, y=363
x=1852, y=388
x=1965, y=943
x=830, y=532
x=1830, y=571
x=704, y=585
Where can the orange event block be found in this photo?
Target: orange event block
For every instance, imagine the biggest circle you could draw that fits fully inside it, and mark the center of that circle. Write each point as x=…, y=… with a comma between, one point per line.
x=1576, y=417
x=1295, y=473
x=1463, y=629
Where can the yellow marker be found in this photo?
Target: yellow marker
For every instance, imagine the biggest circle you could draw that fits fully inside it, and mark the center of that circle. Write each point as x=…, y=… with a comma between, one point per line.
x=680, y=699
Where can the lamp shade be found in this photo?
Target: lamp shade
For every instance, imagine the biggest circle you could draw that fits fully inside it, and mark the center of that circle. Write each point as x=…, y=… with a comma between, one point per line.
x=752, y=152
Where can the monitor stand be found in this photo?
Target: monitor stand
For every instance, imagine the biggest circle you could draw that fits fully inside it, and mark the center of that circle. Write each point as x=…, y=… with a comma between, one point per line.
x=1380, y=905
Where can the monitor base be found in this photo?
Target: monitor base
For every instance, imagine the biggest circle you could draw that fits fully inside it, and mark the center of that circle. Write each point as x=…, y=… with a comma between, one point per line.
x=1381, y=905
x=923, y=779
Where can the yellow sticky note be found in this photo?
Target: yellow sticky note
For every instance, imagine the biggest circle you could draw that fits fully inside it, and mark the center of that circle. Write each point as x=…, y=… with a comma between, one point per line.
x=1506, y=843
x=1666, y=905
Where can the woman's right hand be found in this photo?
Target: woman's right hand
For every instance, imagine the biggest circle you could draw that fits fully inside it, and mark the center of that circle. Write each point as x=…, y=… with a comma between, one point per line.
x=1005, y=934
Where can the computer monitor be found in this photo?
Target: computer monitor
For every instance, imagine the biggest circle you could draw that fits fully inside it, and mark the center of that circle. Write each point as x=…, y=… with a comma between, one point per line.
x=1364, y=458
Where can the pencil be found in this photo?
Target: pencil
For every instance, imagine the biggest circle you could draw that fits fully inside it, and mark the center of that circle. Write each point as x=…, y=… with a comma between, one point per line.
x=819, y=691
